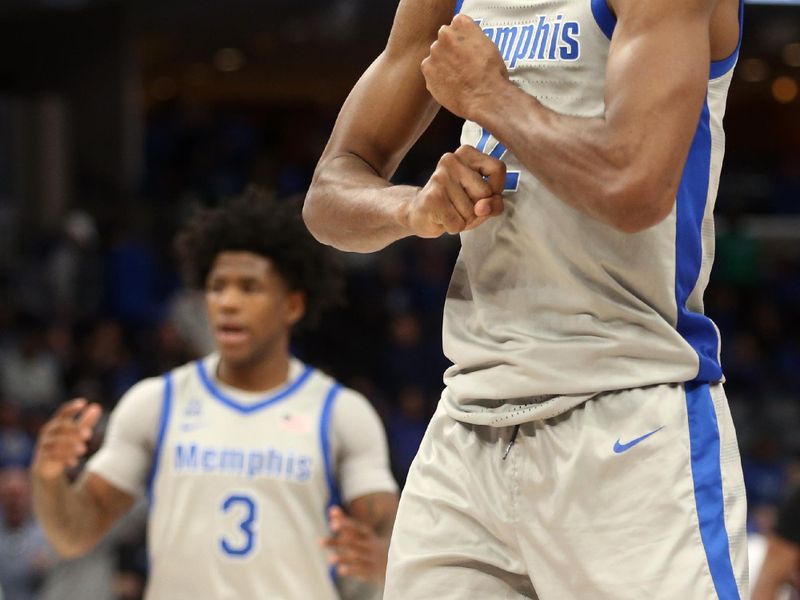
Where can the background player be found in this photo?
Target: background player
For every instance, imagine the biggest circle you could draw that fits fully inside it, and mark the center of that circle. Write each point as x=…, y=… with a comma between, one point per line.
x=243, y=452
x=574, y=317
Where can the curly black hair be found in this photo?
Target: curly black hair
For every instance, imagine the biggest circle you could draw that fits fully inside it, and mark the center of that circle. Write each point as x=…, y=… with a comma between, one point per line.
x=257, y=223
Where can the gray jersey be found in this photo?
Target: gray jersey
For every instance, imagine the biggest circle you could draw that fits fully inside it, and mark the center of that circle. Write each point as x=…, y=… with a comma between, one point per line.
x=548, y=306
x=240, y=483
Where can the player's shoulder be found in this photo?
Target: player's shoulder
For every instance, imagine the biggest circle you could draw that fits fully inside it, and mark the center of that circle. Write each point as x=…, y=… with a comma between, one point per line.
x=153, y=388
x=148, y=389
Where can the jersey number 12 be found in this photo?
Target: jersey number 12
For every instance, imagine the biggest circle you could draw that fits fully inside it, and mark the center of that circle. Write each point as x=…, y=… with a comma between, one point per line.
x=491, y=146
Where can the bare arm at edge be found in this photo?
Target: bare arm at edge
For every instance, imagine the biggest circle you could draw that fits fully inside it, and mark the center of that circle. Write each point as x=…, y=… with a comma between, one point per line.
x=780, y=567
x=623, y=168
x=74, y=516
x=360, y=538
x=351, y=204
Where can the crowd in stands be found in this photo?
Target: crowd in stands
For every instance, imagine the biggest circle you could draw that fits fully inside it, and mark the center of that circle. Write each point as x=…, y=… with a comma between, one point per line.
x=92, y=308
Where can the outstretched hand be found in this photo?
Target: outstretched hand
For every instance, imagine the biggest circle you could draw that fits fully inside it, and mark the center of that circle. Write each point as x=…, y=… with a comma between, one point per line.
x=464, y=68
x=356, y=550
x=64, y=438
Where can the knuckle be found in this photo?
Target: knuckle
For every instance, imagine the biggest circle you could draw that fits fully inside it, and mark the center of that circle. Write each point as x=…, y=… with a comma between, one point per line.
x=447, y=159
x=466, y=149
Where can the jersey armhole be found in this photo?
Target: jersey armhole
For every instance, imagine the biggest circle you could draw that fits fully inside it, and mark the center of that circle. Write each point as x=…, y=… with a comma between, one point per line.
x=162, y=430
x=724, y=65
x=604, y=17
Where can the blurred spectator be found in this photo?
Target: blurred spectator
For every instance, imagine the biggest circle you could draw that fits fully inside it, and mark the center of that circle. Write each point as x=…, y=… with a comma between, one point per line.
x=409, y=359
x=30, y=375
x=24, y=553
x=405, y=428
x=108, y=362
x=16, y=446
x=95, y=575
x=188, y=317
x=765, y=472
x=131, y=280
x=74, y=270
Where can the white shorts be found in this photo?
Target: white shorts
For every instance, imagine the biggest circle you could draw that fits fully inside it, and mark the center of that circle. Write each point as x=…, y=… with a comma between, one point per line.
x=636, y=494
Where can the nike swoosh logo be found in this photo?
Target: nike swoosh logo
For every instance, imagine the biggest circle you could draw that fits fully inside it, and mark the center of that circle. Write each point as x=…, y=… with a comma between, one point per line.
x=619, y=448
x=192, y=426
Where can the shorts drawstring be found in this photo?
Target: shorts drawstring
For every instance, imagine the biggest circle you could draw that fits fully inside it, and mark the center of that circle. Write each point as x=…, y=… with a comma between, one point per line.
x=511, y=441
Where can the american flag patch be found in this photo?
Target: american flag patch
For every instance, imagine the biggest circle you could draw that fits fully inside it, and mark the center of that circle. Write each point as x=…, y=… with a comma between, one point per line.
x=296, y=423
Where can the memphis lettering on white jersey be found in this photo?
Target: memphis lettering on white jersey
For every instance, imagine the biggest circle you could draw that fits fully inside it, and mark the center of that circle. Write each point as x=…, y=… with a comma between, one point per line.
x=547, y=306
x=239, y=492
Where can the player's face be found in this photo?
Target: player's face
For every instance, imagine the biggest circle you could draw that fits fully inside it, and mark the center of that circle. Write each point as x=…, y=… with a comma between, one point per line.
x=250, y=309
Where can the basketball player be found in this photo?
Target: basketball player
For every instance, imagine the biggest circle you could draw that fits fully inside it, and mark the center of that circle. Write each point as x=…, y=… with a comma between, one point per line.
x=246, y=454
x=583, y=446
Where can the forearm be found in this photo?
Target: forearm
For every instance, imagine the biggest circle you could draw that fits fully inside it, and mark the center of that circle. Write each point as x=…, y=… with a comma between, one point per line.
x=69, y=519
x=591, y=164
x=780, y=563
x=622, y=167
x=352, y=208
x=573, y=157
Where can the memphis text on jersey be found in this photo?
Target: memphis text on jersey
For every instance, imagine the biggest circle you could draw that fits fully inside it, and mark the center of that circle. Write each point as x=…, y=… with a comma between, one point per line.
x=192, y=458
x=544, y=39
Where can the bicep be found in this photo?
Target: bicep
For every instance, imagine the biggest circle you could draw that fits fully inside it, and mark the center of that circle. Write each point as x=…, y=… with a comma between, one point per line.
x=390, y=106
x=362, y=453
x=657, y=78
x=126, y=455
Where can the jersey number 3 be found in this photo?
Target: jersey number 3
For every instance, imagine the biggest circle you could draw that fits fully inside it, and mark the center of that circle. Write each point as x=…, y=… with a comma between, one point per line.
x=243, y=543
x=491, y=146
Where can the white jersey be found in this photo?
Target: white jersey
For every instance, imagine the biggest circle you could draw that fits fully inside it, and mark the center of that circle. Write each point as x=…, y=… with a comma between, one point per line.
x=548, y=306
x=240, y=484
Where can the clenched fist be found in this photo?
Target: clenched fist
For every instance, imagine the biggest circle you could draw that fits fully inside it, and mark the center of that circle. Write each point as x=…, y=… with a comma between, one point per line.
x=463, y=192
x=464, y=69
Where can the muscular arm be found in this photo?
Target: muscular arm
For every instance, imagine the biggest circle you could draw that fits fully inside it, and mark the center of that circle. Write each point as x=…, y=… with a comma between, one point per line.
x=76, y=516
x=360, y=533
x=360, y=538
x=351, y=204
x=623, y=168
x=377, y=511
x=780, y=567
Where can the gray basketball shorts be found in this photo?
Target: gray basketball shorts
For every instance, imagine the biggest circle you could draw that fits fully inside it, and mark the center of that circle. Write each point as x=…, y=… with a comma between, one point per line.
x=636, y=494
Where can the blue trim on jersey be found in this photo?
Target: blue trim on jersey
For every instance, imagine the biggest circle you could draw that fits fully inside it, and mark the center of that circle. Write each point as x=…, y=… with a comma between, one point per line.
x=481, y=145
x=166, y=409
x=334, y=497
x=708, y=494
x=605, y=19
x=720, y=67
x=250, y=408
x=696, y=328
x=459, y=4
x=324, y=437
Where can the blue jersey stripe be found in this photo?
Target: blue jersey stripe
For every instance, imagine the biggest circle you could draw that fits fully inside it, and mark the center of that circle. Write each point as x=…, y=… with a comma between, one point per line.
x=605, y=19
x=707, y=476
x=334, y=498
x=250, y=408
x=696, y=328
x=459, y=4
x=325, y=442
x=166, y=409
